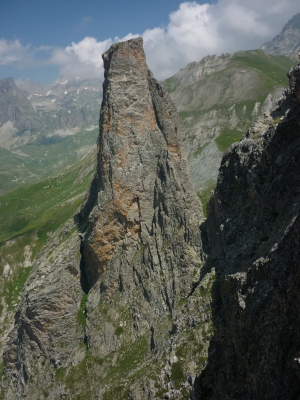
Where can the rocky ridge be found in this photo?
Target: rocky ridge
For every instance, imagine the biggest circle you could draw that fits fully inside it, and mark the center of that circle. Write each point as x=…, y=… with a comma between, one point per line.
x=253, y=230
x=127, y=297
x=288, y=41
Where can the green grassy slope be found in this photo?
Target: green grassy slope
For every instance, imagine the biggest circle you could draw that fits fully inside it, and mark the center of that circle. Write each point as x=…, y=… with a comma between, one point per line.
x=28, y=215
x=42, y=157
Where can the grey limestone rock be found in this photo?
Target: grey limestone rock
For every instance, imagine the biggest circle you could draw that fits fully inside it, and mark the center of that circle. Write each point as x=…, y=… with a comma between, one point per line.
x=114, y=301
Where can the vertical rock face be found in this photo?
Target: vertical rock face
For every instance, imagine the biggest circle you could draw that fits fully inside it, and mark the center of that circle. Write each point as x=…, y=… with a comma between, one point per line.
x=139, y=259
x=143, y=240
x=254, y=229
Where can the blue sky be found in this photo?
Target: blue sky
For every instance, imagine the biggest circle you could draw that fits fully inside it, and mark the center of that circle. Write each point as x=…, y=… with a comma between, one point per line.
x=43, y=40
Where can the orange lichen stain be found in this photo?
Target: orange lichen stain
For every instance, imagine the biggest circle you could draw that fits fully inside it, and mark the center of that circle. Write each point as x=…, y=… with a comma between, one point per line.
x=123, y=157
x=106, y=238
x=121, y=217
x=174, y=149
x=139, y=55
x=152, y=119
x=135, y=52
x=107, y=125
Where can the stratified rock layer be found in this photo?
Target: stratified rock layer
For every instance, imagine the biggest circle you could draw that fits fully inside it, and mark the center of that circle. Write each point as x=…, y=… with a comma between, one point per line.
x=254, y=231
x=139, y=259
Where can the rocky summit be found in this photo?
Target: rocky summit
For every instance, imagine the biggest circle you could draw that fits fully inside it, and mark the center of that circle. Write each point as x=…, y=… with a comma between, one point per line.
x=117, y=305
x=288, y=41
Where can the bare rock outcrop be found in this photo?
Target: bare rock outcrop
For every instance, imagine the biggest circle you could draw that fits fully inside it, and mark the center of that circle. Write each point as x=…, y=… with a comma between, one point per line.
x=254, y=230
x=116, y=304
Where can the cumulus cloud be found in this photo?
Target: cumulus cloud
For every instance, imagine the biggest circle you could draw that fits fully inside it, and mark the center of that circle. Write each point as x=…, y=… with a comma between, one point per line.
x=194, y=31
x=82, y=59
x=12, y=52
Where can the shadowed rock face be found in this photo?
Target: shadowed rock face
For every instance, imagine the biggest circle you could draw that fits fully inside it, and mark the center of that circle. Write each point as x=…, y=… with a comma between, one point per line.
x=254, y=229
x=139, y=253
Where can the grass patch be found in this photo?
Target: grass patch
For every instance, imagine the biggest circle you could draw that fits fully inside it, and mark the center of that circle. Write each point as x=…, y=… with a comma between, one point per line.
x=119, y=330
x=227, y=137
x=118, y=392
x=1, y=369
x=81, y=316
x=14, y=287
x=182, y=302
x=171, y=84
x=204, y=196
x=177, y=375
x=131, y=356
x=60, y=374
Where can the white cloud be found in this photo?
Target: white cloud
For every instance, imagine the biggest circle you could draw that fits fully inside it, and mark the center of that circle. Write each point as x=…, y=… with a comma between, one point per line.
x=13, y=52
x=194, y=31
x=84, y=59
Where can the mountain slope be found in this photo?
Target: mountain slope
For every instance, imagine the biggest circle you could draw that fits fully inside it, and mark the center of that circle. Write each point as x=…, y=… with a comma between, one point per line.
x=218, y=98
x=287, y=43
x=29, y=216
x=42, y=133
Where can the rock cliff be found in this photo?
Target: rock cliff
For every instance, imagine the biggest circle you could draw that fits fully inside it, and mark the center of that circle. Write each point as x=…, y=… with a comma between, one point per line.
x=253, y=230
x=118, y=305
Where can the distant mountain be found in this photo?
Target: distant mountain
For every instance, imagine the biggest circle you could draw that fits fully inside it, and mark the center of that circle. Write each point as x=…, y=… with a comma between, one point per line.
x=45, y=128
x=61, y=86
x=15, y=107
x=218, y=98
x=287, y=43
x=65, y=104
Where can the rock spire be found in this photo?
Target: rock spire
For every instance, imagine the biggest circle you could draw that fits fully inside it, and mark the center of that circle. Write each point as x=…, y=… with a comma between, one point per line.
x=115, y=288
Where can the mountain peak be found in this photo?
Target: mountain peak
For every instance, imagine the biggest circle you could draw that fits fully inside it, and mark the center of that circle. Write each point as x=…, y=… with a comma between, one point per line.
x=293, y=23
x=287, y=43
x=7, y=85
